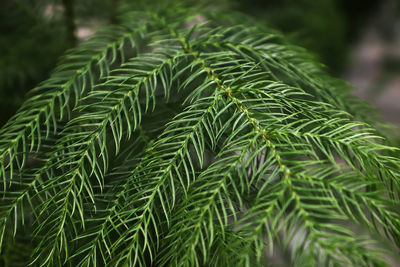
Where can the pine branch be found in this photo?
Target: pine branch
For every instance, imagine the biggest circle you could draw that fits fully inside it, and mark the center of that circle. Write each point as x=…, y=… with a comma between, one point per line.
x=158, y=184
x=79, y=146
x=180, y=138
x=99, y=214
x=73, y=77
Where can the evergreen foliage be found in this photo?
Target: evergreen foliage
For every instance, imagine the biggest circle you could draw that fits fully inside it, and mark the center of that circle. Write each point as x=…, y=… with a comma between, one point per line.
x=189, y=137
x=30, y=45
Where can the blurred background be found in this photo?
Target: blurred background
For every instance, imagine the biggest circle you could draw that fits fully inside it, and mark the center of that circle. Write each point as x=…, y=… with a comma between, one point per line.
x=357, y=40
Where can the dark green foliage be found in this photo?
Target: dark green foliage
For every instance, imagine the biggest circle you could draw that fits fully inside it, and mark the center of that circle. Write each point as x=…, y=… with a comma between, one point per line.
x=323, y=26
x=33, y=37
x=31, y=44
x=185, y=138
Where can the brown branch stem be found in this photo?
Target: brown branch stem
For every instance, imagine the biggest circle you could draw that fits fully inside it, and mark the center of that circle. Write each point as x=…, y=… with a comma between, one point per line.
x=70, y=21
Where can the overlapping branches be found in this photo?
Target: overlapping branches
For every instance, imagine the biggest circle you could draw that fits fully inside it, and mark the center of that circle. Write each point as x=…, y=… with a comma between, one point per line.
x=250, y=149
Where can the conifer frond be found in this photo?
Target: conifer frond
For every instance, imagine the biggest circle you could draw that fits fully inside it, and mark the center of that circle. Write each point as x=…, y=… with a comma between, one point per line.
x=52, y=100
x=182, y=138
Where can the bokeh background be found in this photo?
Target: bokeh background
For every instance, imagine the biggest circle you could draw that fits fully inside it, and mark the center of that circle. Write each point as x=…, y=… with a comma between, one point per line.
x=357, y=40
